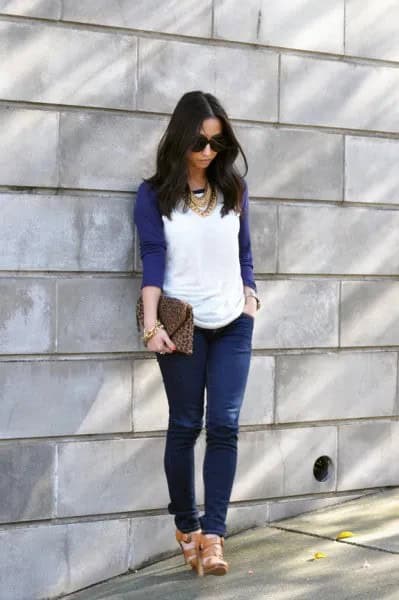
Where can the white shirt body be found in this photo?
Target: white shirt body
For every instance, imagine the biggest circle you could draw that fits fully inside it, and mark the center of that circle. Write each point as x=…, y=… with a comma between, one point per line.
x=203, y=266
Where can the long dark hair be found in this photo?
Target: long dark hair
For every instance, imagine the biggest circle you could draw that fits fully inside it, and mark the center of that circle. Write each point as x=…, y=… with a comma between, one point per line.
x=170, y=178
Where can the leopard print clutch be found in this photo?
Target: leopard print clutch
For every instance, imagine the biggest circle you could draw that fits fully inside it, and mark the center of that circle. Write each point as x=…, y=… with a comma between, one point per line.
x=177, y=318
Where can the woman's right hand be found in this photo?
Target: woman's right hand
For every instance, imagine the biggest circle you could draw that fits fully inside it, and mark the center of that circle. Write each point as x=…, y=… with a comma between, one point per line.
x=161, y=343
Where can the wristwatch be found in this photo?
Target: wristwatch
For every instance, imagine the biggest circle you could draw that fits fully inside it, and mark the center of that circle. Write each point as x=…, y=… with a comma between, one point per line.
x=254, y=295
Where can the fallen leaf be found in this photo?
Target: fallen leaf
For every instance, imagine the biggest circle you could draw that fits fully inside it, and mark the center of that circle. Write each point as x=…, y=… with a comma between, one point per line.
x=250, y=572
x=318, y=555
x=344, y=534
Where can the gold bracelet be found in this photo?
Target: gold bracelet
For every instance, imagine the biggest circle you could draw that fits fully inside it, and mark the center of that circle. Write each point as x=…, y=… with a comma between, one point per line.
x=148, y=334
x=253, y=294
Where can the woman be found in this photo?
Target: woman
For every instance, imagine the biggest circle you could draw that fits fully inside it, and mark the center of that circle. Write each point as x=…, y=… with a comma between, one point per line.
x=192, y=220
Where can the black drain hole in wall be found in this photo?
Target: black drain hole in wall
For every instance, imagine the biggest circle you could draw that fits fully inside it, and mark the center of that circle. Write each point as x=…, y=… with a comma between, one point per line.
x=322, y=468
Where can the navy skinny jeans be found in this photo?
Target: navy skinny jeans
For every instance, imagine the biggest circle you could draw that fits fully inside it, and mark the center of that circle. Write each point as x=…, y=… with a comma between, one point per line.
x=219, y=364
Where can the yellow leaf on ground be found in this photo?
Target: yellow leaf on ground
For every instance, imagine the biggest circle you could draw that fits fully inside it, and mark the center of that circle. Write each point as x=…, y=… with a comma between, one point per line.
x=344, y=534
x=318, y=555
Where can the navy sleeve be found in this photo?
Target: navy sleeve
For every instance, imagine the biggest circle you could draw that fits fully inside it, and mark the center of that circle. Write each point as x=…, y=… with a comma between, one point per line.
x=246, y=261
x=148, y=220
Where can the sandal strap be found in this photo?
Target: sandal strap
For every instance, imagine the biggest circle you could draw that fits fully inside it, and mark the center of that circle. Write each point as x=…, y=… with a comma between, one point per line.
x=190, y=554
x=193, y=536
x=213, y=541
x=212, y=548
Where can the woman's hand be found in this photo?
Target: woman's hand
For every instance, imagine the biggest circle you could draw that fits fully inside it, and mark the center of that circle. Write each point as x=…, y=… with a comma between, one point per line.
x=250, y=306
x=161, y=342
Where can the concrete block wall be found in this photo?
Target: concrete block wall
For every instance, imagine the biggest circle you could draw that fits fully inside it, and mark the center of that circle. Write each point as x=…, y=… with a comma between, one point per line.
x=86, y=89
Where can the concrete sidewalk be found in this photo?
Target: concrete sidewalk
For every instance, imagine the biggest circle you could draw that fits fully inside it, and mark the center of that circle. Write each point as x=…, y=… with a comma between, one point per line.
x=277, y=562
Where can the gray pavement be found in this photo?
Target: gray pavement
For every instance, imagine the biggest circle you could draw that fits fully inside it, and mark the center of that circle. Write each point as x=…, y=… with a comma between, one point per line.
x=277, y=562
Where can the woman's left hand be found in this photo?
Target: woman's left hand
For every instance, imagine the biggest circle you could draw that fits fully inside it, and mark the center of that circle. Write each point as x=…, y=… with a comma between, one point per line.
x=250, y=306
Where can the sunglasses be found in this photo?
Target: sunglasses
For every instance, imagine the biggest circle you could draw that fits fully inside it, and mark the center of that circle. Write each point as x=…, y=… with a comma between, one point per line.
x=218, y=143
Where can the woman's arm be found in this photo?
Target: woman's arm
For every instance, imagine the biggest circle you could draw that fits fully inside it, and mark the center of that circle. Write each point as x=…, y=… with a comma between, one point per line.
x=150, y=295
x=148, y=220
x=246, y=261
x=244, y=239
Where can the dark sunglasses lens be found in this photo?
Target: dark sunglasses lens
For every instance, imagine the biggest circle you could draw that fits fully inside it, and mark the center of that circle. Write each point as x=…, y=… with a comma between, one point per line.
x=199, y=143
x=217, y=143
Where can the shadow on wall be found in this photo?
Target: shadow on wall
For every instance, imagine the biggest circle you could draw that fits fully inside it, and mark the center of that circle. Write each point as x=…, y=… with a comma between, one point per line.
x=26, y=482
x=65, y=397
x=368, y=317
x=383, y=43
x=307, y=24
x=347, y=240
x=337, y=94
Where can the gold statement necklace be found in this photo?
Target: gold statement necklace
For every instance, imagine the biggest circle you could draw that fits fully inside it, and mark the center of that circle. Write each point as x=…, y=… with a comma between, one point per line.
x=204, y=204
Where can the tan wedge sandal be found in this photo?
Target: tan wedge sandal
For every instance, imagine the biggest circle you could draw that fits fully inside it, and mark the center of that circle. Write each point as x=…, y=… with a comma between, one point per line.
x=190, y=545
x=211, y=553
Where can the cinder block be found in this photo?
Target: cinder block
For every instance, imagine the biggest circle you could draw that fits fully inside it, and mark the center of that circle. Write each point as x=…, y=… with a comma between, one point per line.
x=297, y=314
x=97, y=550
x=186, y=17
x=150, y=404
x=97, y=315
x=327, y=92
x=259, y=396
x=370, y=313
x=160, y=61
x=236, y=21
x=46, y=561
x=300, y=448
x=40, y=398
x=83, y=67
x=280, y=462
x=106, y=151
x=381, y=17
x=47, y=9
x=256, y=71
x=290, y=163
x=107, y=476
x=33, y=563
x=290, y=507
x=263, y=224
x=252, y=70
x=68, y=233
x=372, y=170
x=28, y=151
x=347, y=385
x=27, y=315
x=303, y=24
x=152, y=538
x=27, y=481
x=260, y=466
x=346, y=240
x=368, y=455
x=240, y=518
